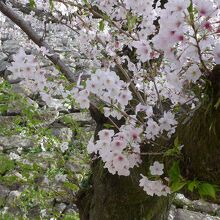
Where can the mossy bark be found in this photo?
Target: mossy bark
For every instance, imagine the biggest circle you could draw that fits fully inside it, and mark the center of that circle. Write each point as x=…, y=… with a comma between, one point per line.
x=113, y=197
x=201, y=137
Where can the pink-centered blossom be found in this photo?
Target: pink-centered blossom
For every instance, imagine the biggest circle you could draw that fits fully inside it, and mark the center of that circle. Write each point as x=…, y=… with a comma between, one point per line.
x=157, y=168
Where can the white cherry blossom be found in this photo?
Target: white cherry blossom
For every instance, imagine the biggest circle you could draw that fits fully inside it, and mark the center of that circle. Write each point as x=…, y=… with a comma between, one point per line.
x=157, y=168
x=217, y=53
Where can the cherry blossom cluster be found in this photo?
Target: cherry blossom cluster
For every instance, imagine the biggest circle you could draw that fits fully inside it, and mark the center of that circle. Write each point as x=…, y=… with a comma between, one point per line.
x=28, y=72
x=107, y=87
x=188, y=32
x=144, y=89
x=155, y=187
x=25, y=68
x=119, y=151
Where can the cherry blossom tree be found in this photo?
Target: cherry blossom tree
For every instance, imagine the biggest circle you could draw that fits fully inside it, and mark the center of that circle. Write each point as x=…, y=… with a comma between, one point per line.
x=151, y=83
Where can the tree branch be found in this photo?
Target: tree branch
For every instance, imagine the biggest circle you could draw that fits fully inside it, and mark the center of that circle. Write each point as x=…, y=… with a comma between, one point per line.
x=40, y=13
x=32, y=34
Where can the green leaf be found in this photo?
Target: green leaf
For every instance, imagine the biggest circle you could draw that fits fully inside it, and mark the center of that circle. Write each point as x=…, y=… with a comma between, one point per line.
x=85, y=2
x=207, y=189
x=190, y=10
x=109, y=126
x=58, y=68
x=131, y=21
x=192, y=185
x=51, y=5
x=176, y=186
x=176, y=142
x=9, y=180
x=175, y=151
x=32, y=4
x=71, y=186
x=217, y=104
x=170, y=152
x=101, y=25
x=174, y=172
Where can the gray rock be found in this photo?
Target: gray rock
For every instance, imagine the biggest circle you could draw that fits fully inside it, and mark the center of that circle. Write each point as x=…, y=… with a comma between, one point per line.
x=16, y=141
x=5, y=37
x=183, y=214
x=4, y=192
x=196, y=205
x=7, y=74
x=74, y=167
x=218, y=212
x=19, y=88
x=10, y=47
x=15, y=108
x=3, y=66
x=7, y=122
x=12, y=204
x=3, y=57
x=60, y=207
x=172, y=212
x=48, y=117
x=206, y=207
x=65, y=134
x=59, y=49
x=14, y=194
x=83, y=118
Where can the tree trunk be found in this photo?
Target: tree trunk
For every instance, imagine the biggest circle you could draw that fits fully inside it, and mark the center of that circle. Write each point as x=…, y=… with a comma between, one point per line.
x=201, y=137
x=113, y=197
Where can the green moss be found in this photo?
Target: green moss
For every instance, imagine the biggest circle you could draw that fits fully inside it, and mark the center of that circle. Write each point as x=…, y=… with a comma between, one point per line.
x=201, y=139
x=5, y=164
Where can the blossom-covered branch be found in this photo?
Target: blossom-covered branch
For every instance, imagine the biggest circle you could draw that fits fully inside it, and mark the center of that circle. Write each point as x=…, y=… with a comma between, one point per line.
x=32, y=34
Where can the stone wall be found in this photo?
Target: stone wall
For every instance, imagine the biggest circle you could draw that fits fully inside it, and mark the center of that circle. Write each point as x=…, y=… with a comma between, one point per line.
x=54, y=120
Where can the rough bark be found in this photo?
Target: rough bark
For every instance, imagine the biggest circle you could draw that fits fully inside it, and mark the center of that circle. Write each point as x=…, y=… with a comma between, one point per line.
x=201, y=137
x=112, y=197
